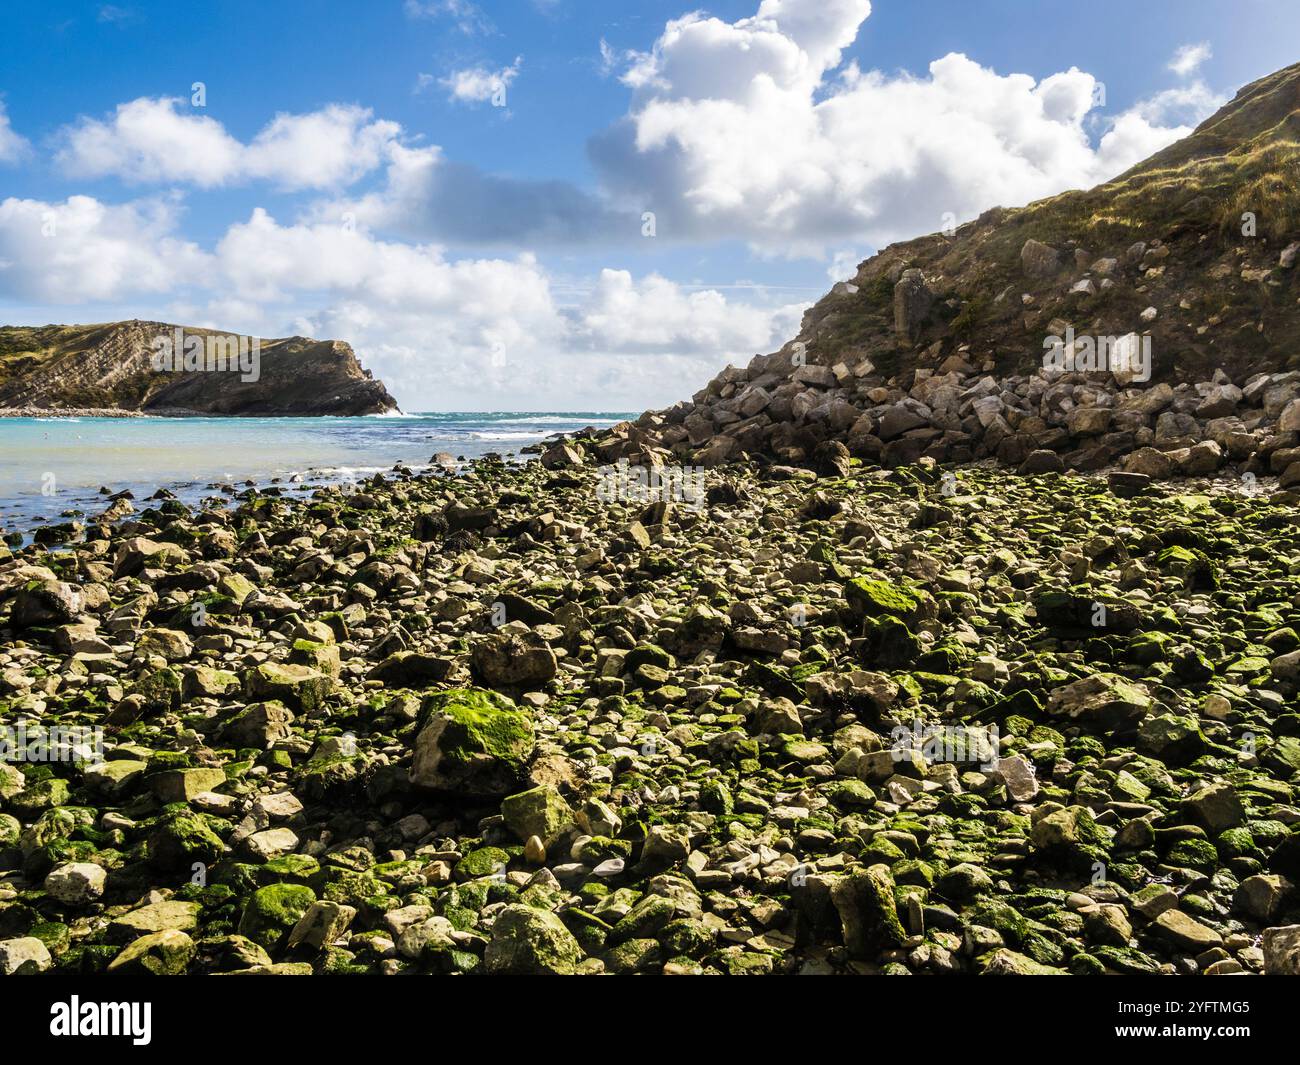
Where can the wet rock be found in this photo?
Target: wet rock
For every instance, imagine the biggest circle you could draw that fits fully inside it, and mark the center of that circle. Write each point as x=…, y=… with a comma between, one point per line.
x=1282, y=951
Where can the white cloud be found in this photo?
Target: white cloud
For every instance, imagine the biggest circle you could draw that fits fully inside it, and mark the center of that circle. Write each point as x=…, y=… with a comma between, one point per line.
x=480, y=84
x=657, y=316
x=12, y=146
x=1184, y=103
x=442, y=332
x=1189, y=57
x=453, y=333
x=82, y=250
x=609, y=58
x=117, y=15
x=747, y=130
x=160, y=140
x=844, y=264
x=467, y=16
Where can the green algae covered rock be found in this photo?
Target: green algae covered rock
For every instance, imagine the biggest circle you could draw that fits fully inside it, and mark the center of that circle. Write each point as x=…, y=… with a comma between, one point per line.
x=875, y=598
x=868, y=913
x=540, y=812
x=272, y=912
x=165, y=953
x=474, y=742
x=1010, y=963
x=530, y=942
x=298, y=687
x=180, y=840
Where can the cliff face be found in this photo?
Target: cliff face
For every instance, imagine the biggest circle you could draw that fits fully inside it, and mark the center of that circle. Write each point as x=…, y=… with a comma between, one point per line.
x=938, y=345
x=115, y=367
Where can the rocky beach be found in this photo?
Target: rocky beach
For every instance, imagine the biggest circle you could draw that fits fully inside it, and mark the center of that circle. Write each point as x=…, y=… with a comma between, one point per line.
x=917, y=720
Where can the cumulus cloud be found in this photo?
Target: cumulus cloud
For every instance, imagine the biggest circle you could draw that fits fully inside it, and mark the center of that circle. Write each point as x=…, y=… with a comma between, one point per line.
x=753, y=129
x=161, y=140
x=83, y=250
x=12, y=146
x=479, y=84
x=1189, y=58
x=657, y=315
x=440, y=329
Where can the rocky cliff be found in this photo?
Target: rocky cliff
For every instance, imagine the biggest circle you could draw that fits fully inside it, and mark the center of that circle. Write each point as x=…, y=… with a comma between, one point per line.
x=115, y=367
x=938, y=345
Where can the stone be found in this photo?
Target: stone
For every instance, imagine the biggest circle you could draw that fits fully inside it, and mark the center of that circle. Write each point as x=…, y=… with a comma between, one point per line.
x=23, y=956
x=300, y=688
x=1185, y=933
x=1042, y=461
x=1149, y=462
x=518, y=661
x=1004, y=962
x=181, y=785
x=1282, y=951
x=1103, y=701
x=75, y=883
x=1289, y=420
x=1039, y=260
x=530, y=942
x=320, y=925
x=261, y=725
x=1018, y=776
x=45, y=603
x=912, y=303
x=165, y=953
x=868, y=914
x=411, y=669
x=272, y=913
x=540, y=812
x=169, y=915
x=1216, y=806
x=473, y=742
x=1261, y=896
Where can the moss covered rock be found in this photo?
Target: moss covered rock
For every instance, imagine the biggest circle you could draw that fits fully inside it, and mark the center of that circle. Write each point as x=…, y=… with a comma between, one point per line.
x=272, y=912
x=868, y=914
x=530, y=942
x=474, y=742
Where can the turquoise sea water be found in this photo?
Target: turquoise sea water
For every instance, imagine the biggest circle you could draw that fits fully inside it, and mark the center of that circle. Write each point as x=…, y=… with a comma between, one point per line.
x=55, y=465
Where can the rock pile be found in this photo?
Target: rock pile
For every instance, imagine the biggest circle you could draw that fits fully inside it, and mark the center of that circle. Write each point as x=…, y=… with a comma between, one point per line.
x=905, y=720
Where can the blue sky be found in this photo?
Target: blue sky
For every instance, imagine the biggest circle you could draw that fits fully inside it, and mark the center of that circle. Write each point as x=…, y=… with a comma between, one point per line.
x=461, y=189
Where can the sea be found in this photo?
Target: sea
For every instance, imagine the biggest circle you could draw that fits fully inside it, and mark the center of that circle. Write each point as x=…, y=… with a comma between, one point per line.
x=55, y=469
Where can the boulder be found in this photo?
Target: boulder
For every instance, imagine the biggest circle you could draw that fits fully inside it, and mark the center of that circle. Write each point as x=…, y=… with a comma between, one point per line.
x=1102, y=702
x=913, y=301
x=1039, y=260
x=472, y=742
x=530, y=942
x=517, y=661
